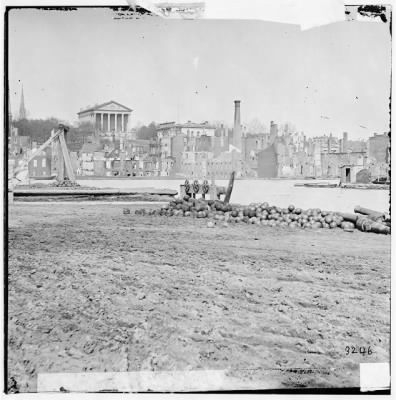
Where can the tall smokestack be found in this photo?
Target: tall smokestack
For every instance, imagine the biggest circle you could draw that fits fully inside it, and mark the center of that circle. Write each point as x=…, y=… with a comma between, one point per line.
x=237, y=140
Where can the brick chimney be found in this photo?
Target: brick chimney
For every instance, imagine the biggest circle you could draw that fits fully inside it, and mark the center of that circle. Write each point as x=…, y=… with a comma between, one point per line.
x=273, y=131
x=344, y=142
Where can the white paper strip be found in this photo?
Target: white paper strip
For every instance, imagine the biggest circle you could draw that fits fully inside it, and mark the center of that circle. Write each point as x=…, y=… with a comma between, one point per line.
x=374, y=376
x=144, y=381
x=306, y=13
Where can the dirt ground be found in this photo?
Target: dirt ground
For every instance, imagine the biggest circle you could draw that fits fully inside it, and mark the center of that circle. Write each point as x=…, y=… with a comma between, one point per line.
x=92, y=289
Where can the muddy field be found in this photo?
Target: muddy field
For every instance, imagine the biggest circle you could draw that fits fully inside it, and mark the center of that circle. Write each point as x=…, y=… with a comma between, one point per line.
x=92, y=289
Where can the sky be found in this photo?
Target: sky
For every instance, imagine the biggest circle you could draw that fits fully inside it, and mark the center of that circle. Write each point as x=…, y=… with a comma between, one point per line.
x=329, y=79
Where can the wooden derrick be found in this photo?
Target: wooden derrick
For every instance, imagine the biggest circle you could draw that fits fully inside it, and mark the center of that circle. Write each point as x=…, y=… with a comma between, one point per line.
x=64, y=161
x=60, y=177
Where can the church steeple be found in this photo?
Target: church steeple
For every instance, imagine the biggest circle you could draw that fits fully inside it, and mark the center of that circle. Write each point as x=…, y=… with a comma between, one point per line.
x=22, y=109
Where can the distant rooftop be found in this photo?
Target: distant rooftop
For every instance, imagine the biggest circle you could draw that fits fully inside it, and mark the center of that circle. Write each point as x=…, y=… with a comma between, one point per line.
x=188, y=124
x=142, y=142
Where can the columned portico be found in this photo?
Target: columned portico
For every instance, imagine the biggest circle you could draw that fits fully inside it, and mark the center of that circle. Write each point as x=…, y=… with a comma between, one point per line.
x=105, y=122
x=108, y=117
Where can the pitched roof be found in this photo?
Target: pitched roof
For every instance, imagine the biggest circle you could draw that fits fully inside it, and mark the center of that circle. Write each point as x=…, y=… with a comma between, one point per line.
x=188, y=124
x=99, y=106
x=197, y=125
x=137, y=142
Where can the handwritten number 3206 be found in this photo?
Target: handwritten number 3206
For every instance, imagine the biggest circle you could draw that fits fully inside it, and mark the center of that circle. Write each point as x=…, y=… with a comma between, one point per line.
x=358, y=350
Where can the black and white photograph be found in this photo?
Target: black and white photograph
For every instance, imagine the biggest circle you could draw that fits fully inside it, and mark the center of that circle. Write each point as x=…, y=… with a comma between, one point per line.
x=197, y=199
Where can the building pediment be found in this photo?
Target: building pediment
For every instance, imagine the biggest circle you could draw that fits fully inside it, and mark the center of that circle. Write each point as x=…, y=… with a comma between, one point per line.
x=106, y=107
x=113, y=106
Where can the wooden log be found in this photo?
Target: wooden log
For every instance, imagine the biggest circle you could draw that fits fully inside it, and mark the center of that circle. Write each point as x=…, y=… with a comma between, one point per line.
x=66, y=157
x=61, y=164
x=377, y=227
x=229, y=188
x=367, y=211
x=364, y=224
x=349, y=217
x=375, y=218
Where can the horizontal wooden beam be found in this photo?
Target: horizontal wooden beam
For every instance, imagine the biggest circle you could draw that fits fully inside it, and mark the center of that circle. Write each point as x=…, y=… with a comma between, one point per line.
x=92, y=192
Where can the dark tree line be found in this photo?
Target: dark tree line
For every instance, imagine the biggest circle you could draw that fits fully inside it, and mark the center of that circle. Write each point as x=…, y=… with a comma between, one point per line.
x=39, y=130
x=147, y=132
x=84, y=129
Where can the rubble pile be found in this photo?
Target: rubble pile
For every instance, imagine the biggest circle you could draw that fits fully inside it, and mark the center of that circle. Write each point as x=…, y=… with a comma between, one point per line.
x=265, y=215
x=65, y=184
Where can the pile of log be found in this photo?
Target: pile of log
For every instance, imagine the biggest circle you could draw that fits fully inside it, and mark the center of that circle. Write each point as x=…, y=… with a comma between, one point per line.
x=367, y=220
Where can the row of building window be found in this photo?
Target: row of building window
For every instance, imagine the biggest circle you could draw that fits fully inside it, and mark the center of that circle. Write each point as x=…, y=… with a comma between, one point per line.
x=43, y=163
x=43, y=173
